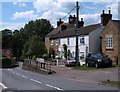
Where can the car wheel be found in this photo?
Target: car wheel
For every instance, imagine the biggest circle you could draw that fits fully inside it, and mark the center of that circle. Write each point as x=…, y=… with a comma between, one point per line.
x=96, y=65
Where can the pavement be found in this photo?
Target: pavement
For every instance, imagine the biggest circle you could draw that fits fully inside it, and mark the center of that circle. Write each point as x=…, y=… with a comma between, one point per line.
x=88, y=76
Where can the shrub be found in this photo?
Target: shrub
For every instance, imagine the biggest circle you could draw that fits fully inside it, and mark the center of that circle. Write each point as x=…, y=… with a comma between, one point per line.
x=6, y=62
x=46, y=56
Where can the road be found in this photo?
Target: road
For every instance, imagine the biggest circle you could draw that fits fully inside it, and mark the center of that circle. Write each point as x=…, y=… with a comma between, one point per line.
x=17, y=79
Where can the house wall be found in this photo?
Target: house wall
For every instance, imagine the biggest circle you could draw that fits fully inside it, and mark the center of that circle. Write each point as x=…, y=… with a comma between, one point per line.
x=94, y=40
x=119, y=48
x=51, y=44
x=83, y=48
x=47, y=43
x=112, y=53
x=72, y=45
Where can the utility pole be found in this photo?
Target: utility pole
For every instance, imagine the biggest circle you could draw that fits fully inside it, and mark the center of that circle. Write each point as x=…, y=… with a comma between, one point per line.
x=76, y=32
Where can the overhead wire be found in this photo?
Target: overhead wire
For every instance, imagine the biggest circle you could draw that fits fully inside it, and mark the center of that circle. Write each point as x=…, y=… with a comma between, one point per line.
x=68, y=13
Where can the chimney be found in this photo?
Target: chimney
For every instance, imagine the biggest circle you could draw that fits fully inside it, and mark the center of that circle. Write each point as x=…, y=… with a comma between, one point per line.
x=72, y=19
x=109, y=11
x=81, y=23
x=63, y=27
x=105, y=17
x=59, y=22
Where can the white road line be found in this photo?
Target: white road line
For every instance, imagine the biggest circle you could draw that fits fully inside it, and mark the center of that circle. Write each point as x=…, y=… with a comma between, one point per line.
x=3, y=86
x=23, y=76
x=53, y=87
x=35, y=81
x=17, y=73
x=13, y=72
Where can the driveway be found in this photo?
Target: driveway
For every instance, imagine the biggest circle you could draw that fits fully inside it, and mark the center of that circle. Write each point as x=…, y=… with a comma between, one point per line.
x=87, y=75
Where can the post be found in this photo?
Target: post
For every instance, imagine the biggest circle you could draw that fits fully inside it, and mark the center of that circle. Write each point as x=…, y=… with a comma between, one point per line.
x=76, y=31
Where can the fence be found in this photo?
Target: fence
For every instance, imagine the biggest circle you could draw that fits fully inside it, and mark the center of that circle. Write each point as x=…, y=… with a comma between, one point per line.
x=44, y=66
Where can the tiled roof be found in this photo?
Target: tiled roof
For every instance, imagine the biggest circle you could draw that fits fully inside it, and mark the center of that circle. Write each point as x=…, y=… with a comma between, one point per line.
x=58, y=29
x=71, y=32
x=117, y=24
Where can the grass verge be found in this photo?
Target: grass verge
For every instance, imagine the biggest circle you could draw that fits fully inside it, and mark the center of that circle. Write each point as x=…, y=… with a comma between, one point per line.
x=84, y=67
x=113, y=83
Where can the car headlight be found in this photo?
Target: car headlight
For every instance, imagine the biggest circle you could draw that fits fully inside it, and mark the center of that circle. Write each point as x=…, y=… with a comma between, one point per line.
x=99, y=60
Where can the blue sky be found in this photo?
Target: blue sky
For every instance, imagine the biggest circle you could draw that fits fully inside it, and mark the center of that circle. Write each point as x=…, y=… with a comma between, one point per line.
x=14, y=14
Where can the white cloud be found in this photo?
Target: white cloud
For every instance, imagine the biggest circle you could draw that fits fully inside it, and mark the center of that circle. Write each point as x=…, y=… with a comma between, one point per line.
x=88, y=0
x=21, y=4
x=53, y=16
x=42, y=5
x=11, y=26
x=91, y=18
x=25, y=15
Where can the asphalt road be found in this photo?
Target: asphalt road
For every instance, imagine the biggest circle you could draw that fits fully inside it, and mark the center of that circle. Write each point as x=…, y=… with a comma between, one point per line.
x=17, y=79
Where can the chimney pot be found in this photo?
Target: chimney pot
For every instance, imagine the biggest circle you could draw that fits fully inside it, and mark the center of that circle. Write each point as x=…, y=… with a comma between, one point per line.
x=109, y=11
x=81, y=19
x=103, y=11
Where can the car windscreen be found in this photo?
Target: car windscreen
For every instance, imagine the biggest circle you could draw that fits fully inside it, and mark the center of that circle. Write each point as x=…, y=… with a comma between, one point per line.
x=99, y=56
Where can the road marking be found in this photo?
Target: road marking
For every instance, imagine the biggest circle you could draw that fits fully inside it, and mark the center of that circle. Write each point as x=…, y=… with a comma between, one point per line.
x=53, y=87
x=13, y=72
x=17, y=73
x=35, y=81
x=23, y=76
x=3, y=86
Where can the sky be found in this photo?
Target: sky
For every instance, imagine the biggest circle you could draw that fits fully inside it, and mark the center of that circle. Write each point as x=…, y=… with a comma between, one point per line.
x=14, y=14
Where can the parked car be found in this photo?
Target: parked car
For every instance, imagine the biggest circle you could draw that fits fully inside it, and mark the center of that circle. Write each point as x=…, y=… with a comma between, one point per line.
x=40, y=60
x=71, y=62
x=98, y=60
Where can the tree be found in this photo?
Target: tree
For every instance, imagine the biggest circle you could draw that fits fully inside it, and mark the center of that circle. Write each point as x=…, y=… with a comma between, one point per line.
x=65, y=50
x=7, y=38
x=34, y=47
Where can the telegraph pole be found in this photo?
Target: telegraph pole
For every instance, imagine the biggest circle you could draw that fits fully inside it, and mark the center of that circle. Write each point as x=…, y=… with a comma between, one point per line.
x=76, y=32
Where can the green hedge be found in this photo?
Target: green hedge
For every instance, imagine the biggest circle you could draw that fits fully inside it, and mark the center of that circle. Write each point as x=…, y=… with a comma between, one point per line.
x=5, y=62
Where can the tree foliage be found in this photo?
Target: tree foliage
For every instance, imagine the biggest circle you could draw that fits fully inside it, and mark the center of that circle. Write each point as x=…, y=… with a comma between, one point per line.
x=65, y=50
x=27, y=40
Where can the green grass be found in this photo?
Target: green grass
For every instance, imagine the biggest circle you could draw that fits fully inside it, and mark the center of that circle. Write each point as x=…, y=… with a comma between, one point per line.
x=84, y=67
x=114, y=83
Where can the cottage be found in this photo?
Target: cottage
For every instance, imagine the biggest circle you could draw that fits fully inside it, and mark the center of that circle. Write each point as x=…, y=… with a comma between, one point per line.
x=111, y=40
x=88, y=36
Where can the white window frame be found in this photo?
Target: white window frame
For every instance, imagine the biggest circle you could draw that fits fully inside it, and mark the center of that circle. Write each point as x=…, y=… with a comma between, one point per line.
x=68, y=41
x=82, y=41
x=109, y=42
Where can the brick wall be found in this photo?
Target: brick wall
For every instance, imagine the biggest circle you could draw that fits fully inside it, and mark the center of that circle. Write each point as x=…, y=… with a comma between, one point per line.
x=112, y=53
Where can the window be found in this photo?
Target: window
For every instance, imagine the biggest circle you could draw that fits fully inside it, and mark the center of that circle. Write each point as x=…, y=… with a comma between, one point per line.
x=51, y=42
x=82, y=41
x=68, y=41
x=109, y=41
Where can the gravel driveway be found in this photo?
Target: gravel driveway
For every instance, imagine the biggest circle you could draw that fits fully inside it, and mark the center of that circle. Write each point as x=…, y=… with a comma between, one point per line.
x=87, y=75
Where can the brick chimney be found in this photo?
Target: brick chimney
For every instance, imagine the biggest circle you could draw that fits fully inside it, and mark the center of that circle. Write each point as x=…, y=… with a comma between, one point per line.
x=81, y=23
x=59, y=22
x=105, y=17
x=72, y=19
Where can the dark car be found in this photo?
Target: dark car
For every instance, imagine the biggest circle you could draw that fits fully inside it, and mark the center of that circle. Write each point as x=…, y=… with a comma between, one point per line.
x=98, y=60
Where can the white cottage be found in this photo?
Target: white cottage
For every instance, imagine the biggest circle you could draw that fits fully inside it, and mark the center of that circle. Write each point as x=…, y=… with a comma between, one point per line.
x=88, y=36
x=88, y=40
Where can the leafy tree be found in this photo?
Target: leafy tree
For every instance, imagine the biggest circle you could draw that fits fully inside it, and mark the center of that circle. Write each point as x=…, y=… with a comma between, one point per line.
x=65, y=50
x=34, y=47
x=7, y=38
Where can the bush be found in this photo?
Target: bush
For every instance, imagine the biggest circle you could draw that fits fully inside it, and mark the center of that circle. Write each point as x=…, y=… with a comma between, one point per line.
x=46, y=56
x=33, y=57
x=6, y=62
